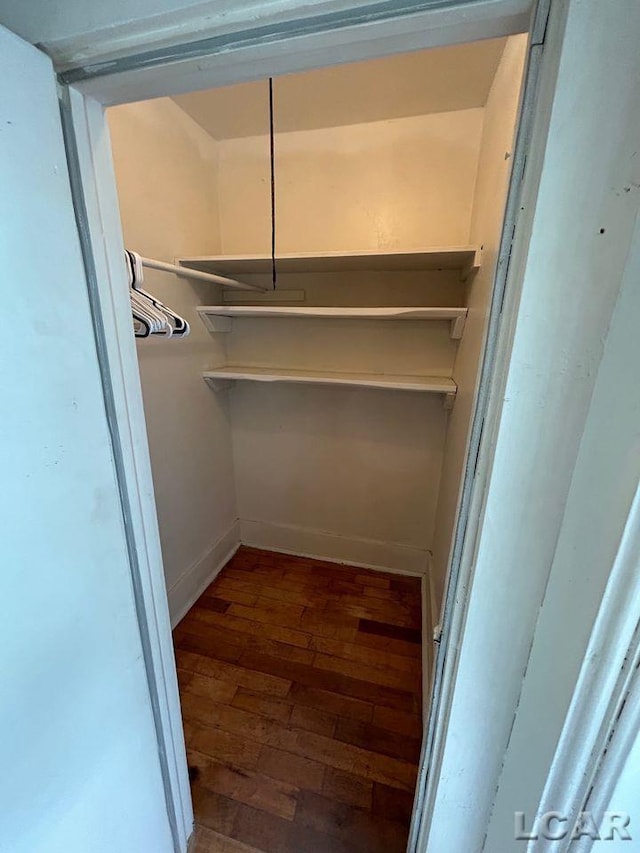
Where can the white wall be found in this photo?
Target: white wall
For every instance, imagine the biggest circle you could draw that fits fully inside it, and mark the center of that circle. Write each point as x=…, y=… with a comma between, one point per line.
x=417, y=83
x=354, y=465
x=79, y=748
x=343, y=473
x=494, y=169
x=166, y=169
x=404, y=183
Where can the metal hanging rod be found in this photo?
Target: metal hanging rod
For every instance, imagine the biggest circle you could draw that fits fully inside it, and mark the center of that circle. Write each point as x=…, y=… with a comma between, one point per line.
x=185, y=272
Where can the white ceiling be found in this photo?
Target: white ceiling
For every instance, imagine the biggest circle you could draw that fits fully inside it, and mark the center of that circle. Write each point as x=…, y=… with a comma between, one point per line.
x=428, y=81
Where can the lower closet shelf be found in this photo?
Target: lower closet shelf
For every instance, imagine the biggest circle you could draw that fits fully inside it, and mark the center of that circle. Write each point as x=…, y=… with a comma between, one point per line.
x=220, y=377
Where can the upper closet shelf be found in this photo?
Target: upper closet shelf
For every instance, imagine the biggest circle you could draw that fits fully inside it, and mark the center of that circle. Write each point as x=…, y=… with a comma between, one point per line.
x=219, y=378
x=463, y=258
x=218, y=318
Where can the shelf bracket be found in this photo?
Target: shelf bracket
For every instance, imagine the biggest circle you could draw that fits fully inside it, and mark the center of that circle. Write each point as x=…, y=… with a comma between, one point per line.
x=449, y=400
x=457, y=327
x=219, y=385
x=216, y=323
x=472, y=267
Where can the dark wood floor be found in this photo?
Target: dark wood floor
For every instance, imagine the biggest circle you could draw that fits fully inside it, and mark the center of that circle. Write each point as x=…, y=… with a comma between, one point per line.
x=300, y=684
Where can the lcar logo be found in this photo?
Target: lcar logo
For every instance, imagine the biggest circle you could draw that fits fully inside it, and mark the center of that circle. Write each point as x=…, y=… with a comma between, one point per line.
x=554, y=826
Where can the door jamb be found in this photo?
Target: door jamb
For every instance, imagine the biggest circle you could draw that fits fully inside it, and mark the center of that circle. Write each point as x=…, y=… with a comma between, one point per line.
x=97, y=214
x=495, y=362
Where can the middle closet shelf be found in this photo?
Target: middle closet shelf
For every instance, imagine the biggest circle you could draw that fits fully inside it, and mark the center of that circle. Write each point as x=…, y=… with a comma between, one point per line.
x=218, y=318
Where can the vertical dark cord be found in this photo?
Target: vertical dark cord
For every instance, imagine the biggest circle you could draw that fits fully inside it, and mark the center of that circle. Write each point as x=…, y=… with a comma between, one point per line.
x=273, y=186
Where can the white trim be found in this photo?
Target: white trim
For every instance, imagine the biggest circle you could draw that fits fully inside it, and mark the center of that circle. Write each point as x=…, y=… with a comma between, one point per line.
x=184, y=593
x=212, y=18
x=434, y=604
x=428, y=696
x=623, y=733
x=609, y=673
x=471, y=503
x=251, y=54
x=427, y=640
x=321, y=545
x=101, y=235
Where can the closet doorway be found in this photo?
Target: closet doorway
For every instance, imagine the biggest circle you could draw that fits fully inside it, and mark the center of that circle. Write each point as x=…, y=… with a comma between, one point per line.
x=308, y=438
x=304, y=458
x=557, y=361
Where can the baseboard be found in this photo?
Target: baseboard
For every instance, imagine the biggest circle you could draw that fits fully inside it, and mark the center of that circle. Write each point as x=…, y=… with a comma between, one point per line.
x=190, y=586
x=428, y=650
x=320, y=545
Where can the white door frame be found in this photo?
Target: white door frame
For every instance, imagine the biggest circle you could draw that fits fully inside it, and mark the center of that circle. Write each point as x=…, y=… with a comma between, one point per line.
x=97, y=214
x=83, y=99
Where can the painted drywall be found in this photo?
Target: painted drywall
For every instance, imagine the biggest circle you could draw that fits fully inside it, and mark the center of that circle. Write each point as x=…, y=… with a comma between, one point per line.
x=166, y=168
x=494, y=169
x=79, y=752
x=404, y=183
x=358, y=466
x=446, y=79
x=354, y=464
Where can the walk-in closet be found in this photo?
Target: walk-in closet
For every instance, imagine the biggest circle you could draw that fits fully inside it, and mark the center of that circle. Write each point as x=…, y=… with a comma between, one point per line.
x=329, y=240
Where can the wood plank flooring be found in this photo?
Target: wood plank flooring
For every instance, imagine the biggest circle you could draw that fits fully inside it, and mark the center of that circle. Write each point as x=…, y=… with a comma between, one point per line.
x=300, y=684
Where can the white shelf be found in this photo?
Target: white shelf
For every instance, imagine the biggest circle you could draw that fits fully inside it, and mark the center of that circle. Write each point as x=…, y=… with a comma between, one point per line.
x=220, y=378
x=218, y=318
x=463, y=258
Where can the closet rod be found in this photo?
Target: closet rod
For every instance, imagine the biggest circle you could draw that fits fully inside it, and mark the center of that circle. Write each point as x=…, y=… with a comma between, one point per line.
x=200, y=276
